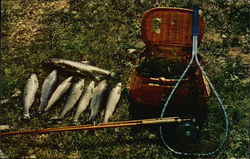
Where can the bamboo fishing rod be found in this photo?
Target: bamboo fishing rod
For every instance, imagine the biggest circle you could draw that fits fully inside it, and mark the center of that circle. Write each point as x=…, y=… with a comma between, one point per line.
x=101, y=125
x=117, y=122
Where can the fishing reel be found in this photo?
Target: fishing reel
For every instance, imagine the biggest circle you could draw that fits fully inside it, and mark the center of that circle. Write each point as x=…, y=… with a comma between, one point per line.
x=188, y=131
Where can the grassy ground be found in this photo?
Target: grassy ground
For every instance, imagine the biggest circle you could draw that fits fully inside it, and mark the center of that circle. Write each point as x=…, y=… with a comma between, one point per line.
x=102, y=32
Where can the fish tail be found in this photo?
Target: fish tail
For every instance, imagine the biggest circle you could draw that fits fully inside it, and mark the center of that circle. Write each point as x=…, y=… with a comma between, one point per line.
x=47, y=106
x=41, y=111
x=105, y=120
x=75, y=121
x=46, y=109
x=92, y=118
x=26, y=116
x=41, y=107
x=62, y=114
x=76, y=116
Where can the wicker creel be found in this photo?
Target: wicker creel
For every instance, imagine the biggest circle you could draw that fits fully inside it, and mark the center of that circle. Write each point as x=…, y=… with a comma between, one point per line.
x=166, y=30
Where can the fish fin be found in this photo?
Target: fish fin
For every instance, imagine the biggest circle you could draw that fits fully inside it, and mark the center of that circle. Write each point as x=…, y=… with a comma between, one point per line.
x=85, y=62
x=98, y=78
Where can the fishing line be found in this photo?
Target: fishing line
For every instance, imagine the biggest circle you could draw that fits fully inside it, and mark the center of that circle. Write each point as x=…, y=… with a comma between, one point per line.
x=195, y=32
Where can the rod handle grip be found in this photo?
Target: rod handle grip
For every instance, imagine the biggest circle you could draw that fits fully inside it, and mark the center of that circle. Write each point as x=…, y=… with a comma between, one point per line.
x=195, y=28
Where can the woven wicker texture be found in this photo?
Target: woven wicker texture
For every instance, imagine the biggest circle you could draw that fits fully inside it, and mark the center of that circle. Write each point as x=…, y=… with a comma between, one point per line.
x=169, y=26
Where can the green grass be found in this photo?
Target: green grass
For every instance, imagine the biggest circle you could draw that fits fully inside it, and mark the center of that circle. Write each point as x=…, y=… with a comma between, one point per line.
x=102, y=32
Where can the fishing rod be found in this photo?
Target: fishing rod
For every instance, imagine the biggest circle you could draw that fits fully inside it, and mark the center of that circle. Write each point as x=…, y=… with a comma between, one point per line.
x=102, y=125
x=194, y=58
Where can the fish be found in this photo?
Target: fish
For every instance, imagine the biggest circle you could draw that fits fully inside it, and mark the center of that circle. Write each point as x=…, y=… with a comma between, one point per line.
x=47, y=87
x=73, y=97
x=84, y=101
x=96, y=101
x=80, y=66
x=59, y=92
x=112, y=101
x=30, y=90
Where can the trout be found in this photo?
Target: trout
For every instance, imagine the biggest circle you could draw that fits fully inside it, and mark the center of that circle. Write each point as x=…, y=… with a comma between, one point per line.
x=59, y=92
x=84, y=101
x=73, y=97
x=29, y=94
x=113, y=99
x=47, y=88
